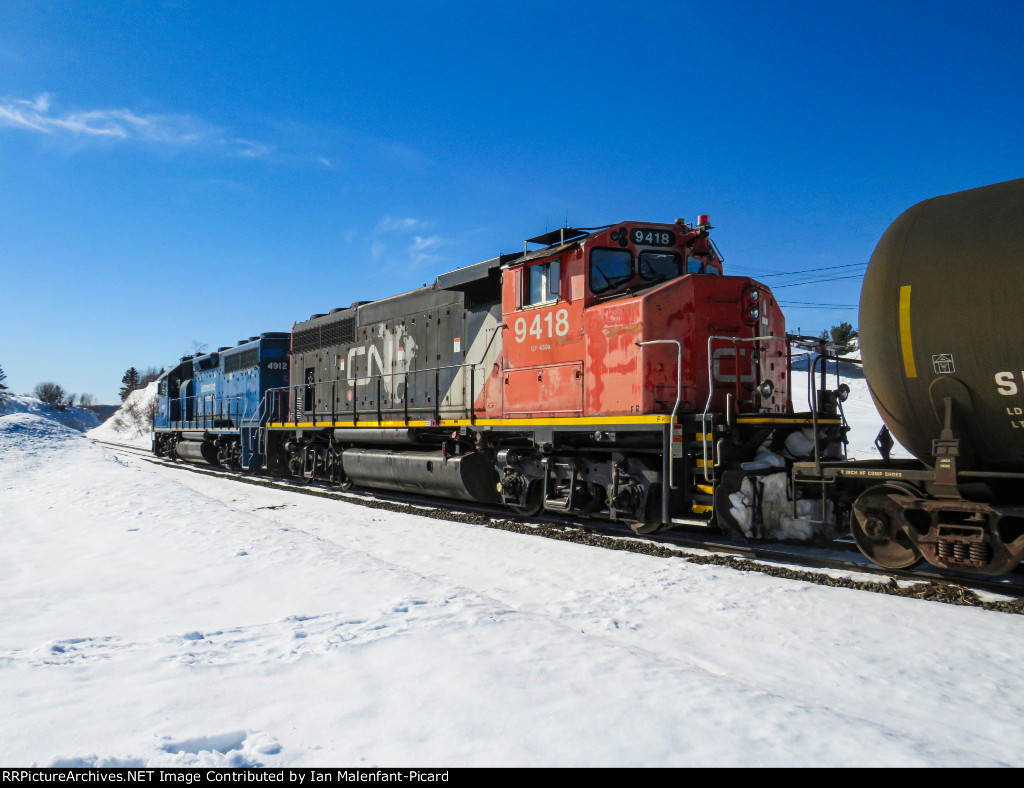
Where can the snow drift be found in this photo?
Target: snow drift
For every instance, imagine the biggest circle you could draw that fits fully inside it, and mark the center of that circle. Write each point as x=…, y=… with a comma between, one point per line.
x=80, y=419
x=132, y=423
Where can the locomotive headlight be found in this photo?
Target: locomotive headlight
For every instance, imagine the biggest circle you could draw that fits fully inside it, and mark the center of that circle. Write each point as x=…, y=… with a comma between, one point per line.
x=754, y=294
x=843, y=392
x=766, y=389
x=754, y=312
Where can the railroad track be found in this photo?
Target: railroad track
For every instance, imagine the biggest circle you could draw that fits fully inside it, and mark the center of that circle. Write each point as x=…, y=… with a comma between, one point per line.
x=800, y=562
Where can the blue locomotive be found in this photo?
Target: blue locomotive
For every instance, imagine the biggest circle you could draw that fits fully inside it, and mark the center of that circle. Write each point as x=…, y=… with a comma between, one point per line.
x=210, y=407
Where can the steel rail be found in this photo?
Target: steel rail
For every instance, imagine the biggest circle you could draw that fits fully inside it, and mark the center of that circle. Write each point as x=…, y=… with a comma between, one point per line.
x=802, y=556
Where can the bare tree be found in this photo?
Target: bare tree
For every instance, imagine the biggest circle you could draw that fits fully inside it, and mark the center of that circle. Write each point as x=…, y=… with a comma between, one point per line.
x=86, y=400
x=149, y=375
x=51, y=394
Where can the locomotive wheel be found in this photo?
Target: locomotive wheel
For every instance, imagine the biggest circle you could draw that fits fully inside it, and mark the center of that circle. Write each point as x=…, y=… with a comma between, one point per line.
x=534, y=502
x=652, y=515
x=876, y=528
x=646, y=528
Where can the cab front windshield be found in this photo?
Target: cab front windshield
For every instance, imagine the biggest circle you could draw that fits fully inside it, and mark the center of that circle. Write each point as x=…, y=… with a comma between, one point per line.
x=611, y=268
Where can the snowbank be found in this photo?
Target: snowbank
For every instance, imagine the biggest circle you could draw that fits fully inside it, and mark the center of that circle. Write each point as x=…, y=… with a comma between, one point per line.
x=79, y=419
x=132, y=424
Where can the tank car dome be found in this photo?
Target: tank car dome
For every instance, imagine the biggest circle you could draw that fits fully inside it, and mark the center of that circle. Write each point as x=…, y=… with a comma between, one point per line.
x=941, y=318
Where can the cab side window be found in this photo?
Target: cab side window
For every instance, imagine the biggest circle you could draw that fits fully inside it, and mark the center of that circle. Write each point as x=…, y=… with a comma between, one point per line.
x=542, y=283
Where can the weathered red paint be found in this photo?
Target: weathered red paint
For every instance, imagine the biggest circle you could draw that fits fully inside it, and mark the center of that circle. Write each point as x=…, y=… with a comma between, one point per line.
x=578, y=355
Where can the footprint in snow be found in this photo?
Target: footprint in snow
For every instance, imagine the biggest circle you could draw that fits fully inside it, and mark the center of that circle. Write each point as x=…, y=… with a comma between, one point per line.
x=235, y=749
x=70, y=650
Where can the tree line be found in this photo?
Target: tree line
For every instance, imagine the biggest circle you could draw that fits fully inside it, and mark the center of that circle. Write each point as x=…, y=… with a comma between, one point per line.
x=56, y=397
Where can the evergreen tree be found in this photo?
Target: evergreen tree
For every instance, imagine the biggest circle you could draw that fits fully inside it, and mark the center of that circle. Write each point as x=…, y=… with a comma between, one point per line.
x=3, y=388
x=843, y=336
x=130, y=381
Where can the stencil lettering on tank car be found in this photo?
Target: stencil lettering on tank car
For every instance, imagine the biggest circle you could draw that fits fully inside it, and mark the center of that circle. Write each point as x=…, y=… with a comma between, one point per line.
x=943, y=364
x=1005, y=384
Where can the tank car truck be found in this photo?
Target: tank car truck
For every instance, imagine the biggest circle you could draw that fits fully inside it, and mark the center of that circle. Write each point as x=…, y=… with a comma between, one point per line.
x=940, y=331
x=210, y=407
x=605, y=372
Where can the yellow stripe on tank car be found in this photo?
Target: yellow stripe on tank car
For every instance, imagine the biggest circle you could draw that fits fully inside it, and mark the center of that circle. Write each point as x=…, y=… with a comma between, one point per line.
x=905, y=341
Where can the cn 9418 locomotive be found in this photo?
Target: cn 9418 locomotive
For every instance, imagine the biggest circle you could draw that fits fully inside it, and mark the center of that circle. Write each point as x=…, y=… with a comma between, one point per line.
x=611, y=372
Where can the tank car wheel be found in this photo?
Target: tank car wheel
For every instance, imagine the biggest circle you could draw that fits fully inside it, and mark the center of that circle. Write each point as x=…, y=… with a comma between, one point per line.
x=876, y=528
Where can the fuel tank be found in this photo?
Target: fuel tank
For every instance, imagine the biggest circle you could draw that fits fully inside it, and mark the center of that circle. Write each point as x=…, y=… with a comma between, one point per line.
x=197, y=451
x=469, y=477
x=941, y=321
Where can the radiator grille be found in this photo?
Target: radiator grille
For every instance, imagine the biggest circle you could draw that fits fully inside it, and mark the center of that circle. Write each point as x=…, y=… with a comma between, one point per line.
x=339, y=332
x=243, y=360
x=304, y=341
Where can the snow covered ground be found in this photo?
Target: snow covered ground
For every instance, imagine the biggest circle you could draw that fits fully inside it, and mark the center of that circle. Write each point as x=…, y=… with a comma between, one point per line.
x=152, y=616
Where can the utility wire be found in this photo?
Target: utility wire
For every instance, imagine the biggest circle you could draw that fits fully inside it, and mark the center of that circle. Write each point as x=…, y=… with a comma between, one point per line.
x=783, y=303
x=794, y=273
x=813, y=303
x=816, y=281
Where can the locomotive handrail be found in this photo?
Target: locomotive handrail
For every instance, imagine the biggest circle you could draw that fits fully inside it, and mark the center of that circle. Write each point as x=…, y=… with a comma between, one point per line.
x=297, y=390
x=679, y=386
x=212, y=411
x=711, y=389
x=669, y=435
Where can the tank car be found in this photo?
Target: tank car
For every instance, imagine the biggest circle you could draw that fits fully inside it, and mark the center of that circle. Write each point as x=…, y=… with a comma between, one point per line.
x=210, y=407
x=939, y=314
x=613, y=372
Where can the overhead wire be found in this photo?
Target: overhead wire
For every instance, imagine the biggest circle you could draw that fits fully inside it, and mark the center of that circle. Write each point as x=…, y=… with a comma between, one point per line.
x=816, y=281
x=799, y=271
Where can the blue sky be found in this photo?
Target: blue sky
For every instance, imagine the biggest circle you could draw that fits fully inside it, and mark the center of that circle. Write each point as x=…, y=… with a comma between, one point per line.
x=179, y=171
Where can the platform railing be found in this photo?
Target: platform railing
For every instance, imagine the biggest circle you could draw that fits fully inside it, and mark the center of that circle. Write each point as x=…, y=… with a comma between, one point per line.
x=207, y=412
x=306, y=401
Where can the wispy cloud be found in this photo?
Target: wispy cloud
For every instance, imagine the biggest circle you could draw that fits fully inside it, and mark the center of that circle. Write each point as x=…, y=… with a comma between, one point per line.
x=411, y=237
x=391, y=225
x=122, y=125
x=252, y=150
